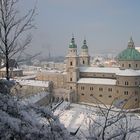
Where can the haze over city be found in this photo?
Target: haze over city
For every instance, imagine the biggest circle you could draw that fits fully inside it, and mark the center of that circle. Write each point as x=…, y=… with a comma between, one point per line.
x=106, y=24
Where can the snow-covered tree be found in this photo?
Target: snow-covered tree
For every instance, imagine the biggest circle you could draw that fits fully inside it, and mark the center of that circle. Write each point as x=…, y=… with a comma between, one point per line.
x=22, y=122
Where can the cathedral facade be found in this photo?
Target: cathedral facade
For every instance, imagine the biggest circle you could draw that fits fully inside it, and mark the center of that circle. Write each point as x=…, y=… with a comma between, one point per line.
x=104, y=85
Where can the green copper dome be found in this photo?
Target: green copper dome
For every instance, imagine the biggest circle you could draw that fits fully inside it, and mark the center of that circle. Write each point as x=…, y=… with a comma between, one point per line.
x=72, y=44
x=130, y=53
x=84, y=45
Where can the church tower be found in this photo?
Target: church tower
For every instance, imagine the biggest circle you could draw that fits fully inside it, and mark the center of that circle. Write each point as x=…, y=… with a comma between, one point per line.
x=84, y=56
x=72, y=66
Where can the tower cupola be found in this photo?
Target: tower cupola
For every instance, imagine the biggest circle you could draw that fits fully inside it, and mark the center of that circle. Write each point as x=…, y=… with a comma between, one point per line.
x=72, y=44
x=84, y=44
x=131, y=43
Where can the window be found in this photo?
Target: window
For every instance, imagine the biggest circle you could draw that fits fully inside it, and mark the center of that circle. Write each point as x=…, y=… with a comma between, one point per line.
x=100, y=95
x=126, y=83
x=91, y=88
x=70, y=87
x=122, y=65
x=136, y=65
x=83, y=62
x=71, y=63
x=70, y=79
x=100, y=89
x=136, y=99
x=109, y=96
x=82, y=94
x=109, y=89
x=91, y=94
x=117, y=91
x=125, y=92
x=82, y=88
x=135, y=83
x=129, y=65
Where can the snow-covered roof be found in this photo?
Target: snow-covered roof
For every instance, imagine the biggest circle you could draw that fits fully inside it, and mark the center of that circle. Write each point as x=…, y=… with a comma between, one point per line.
x=101, y=81
x=28, y=77
x=99, y=69
x=128, y=72
x=34, y=83
x=51, y=71
x=14, y=69
x=117, y=71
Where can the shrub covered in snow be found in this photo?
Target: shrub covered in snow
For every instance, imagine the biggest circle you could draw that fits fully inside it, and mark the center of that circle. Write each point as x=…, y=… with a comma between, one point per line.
x=22, y=122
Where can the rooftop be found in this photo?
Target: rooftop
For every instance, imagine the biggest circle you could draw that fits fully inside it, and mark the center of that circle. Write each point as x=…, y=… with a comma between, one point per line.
x=110, y=70
x=99, y=69
x=130, y=54
x=33, y=83
x=96, y=81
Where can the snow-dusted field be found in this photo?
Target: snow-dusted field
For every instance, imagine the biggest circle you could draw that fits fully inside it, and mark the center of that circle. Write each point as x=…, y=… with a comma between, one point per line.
x=77, y=118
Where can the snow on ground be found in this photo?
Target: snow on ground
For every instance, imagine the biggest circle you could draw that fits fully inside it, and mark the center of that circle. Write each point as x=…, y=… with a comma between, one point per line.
x=76, y=118
x=35, y=98
x=34, y=83
x=61, y=108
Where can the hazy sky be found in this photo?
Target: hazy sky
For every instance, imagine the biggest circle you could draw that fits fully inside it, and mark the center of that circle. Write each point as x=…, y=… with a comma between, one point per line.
x=106, y=24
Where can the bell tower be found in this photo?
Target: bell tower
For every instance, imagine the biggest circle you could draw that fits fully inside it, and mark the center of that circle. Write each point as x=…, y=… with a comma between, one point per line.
x=84, y=56
x=72, y=66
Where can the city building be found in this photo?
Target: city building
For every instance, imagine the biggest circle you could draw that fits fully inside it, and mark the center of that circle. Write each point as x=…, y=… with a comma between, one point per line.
x=119, y=86
x=105, y=85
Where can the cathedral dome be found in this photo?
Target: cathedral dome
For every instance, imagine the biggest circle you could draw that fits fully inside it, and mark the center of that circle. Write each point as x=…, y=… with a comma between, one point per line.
x=130, y=53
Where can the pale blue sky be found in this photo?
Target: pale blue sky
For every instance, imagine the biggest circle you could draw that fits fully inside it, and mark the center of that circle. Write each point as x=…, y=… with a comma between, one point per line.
x=106, y=24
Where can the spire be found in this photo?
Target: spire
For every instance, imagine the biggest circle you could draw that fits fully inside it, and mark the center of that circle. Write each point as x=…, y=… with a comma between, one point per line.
x=131, y=43
x=72, y=40
x=85, y=42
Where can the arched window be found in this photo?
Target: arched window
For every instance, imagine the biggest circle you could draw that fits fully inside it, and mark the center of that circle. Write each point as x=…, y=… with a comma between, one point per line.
x=126, y=83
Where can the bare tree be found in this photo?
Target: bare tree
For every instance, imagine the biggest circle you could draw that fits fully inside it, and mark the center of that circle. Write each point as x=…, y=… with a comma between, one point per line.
x=112, y=123
x=13, y=27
